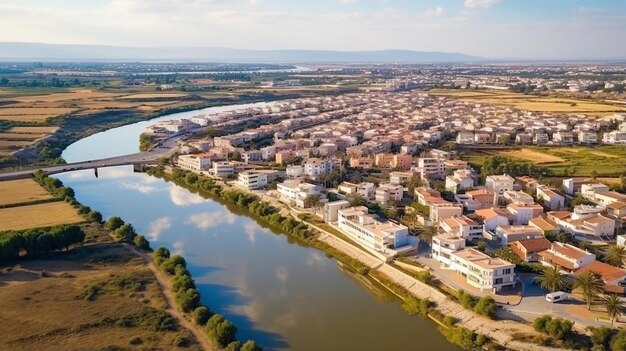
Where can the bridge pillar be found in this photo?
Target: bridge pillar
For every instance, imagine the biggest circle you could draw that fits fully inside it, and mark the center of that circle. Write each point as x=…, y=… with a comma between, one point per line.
x=95, y=171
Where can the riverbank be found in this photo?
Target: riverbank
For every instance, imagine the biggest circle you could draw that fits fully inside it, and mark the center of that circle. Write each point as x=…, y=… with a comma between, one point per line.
x=501, y=332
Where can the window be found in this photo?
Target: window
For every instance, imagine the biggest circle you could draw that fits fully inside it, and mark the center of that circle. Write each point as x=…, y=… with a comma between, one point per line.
x=498, y=281
x=507, y=271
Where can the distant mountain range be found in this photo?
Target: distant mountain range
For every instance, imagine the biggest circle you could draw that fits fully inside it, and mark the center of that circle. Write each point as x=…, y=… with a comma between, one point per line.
x=60, y=52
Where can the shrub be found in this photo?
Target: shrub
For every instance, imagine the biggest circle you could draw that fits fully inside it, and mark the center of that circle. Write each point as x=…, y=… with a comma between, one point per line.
x=161, y=252
x=233, y=346
x=467, y=300
x=126, y=233
x=169, y=265
x=135, y=340
x=182, y=282
x=601, y=337
x=201, y=315
x=188, y=299
x=449, y=320
x=250, y=345
x=411, y=305
x=141, y=242
x=486, y=306
x=557, y=328
x=425, y=305
x=180, y=341
x=95, y=216
x=220, y=330
x=462, y=337
x=424, y=276
x=113, y=223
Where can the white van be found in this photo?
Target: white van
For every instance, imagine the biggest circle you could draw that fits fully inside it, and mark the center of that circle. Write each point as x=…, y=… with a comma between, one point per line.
x=557, y=296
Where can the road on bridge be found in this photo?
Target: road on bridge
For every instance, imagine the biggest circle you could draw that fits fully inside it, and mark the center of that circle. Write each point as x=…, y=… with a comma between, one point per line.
x=131, y=159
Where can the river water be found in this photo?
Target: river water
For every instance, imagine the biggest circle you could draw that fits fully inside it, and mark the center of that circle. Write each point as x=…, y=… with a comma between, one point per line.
x=284, y=295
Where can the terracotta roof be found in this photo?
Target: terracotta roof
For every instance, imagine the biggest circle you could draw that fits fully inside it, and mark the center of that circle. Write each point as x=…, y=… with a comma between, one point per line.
x=534, y=245
x=559, y=214
x=617, y=205
x=489, y=213
x=570, y=251
x=542, y=224
x=608, y=272
x=479, y=192
x=556, y=260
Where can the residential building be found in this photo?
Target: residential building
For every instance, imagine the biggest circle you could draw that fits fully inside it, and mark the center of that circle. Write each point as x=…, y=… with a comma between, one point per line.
x=284, y=156
x=511, y=233
x=295, y=171
x=330, y=211
x=444, y=245
x=252, y=156
x=563, y=138
x=465, y=138
x=565, y=256
x=614, y=278
x=314, y=167
x=587, y=137
x=431, y=168
x=586, y=227
x=521, y=214
x=256, y=179
x=194, y=162
x=614, y=137
x=552, y=199
x=460, y=179
x=517, y=197
x=384, y=237
x=223, y=169
x=544, y=225
x=492, y=218
x=388, y=193
x=617, y=210
x=499, y=183
x=400, y=178
x=527, y=250
x=482, y=271
x=294, y=192
x=484, y=196
x=364, y=162
x=462, y=226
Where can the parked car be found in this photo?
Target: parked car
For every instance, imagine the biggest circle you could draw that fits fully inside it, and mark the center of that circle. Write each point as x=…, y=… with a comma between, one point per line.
x=557, y=296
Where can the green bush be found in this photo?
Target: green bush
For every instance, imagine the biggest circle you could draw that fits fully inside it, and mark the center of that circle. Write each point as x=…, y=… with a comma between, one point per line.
x=486, y=306
x=220, y=330
x=113, y=223
x=250, y=345
x=201, y=315
x=141, y=242
x=188, y=299
x=180, y=341
x=557, y=328
x=467, y=300
x=424, y=276
x=125, y=233
x=449, y=320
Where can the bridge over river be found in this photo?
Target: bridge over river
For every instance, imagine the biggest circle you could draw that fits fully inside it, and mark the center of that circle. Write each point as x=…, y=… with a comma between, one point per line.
x=130, y=159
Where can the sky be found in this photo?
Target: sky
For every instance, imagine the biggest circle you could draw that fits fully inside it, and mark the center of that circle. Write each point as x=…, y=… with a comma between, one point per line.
x=498, y=29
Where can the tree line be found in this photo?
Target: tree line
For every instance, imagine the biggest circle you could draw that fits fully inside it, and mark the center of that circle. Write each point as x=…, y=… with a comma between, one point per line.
x=38, y=242
x=217, y=328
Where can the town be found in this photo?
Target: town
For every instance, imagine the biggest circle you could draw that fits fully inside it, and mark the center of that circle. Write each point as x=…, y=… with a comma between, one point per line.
x=378, y=168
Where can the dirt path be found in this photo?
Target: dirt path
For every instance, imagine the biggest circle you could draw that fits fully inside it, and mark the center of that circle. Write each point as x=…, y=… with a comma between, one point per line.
x=166, y=288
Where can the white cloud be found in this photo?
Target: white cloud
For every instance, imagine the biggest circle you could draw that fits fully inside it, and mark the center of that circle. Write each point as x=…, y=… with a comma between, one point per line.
x=178, y=248
x=433, y=12
x=183, y=197
x=142, y=188
x=481, y=3
x=315, y=259
x=204, y=221
x=281, y=274
x=158, y=226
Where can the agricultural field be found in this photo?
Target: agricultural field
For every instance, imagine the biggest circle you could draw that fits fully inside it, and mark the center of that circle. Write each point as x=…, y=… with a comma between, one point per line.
x=101, y=295
x=39, y=215
x=550, y=105
x=22, y=191
x=581, y=161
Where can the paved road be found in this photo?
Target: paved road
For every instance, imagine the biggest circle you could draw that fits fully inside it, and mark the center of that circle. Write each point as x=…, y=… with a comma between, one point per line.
x=131, y=159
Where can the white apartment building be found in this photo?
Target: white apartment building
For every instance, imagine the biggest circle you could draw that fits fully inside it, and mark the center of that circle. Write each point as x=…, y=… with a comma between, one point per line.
x=462, y=226
x=510, y=233
x=295, y=171
x=314, y=167
x=480, y=270
x=387, y=193
x=384, y=237
x=223, y=169
x=499, y=183
x=551, y=199
x=398, y=178
x=565, y=256
x=614, y=137
x=431, y=167
x=294, y=192
x=330, y=211
x=585, y=223
x=255, y=179
x=194, y=162
x=366, y=190
x=461, y=179
x=465, y=138
x=600, y=194
x=586, y=137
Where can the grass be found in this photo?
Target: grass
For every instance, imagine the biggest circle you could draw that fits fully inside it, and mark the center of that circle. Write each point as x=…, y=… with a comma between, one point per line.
x=532, y=102
x=581, y=161
x=39, y=215
x=49, y=311
x=22, y=191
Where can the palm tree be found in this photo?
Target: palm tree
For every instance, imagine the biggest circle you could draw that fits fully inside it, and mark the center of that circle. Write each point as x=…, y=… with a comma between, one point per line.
x=426, y=235
x=552, y=279
x=616, y=255
x=614, y=307
x=591, y=284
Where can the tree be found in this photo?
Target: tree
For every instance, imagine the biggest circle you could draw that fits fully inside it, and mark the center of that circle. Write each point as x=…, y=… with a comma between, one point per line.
x=312, y=201
x=220, y=330
x=614, y=307
x=591, y=284
x=552, y=279
x=581, y=200
x=250, y=345
x=126, y=233
x=427, y=234
x=356, y=200
x=141, y=242
x=201, y=315
x=188, y=299
x=601, y=337
x=486, y=306
x=413, y=183
x=95, y=216
x=616, y=255
x=113, y=223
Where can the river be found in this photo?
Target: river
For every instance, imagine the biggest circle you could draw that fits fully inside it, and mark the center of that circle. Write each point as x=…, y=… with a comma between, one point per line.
x=284, y=295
